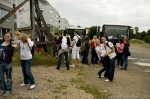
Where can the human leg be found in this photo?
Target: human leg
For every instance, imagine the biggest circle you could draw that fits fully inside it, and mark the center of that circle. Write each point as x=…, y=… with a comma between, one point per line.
x=59, y=61
x=26, y=81
x=9, y=77
x=112, y=69
x=92, y=56
x=86, y=56
x=104, y=67
x=28, y=71
x=78, y=56
x=125, y=58
x=83, y=58
x=2, y=79
x=67, y=62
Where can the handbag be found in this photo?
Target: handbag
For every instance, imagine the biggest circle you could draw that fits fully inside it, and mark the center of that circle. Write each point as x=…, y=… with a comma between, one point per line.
x=128, y=53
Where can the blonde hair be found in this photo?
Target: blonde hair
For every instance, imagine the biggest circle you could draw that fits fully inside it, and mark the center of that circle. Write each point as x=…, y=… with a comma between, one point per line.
x=22, y=36
x=94, y=37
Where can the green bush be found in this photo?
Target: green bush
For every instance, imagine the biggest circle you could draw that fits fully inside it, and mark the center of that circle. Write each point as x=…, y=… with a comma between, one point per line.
x=45, y=59
x=137, y=41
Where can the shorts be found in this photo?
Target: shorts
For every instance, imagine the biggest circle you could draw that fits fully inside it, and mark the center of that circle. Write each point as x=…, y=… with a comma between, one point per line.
x=75, y=54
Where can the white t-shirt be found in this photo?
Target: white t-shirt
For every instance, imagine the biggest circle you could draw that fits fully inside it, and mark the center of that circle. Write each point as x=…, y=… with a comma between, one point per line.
x=113, y=54
x=100, y=49
x=75, y=38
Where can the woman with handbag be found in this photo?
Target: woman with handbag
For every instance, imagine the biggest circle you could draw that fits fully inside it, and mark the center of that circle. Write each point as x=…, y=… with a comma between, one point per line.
x=126, y=53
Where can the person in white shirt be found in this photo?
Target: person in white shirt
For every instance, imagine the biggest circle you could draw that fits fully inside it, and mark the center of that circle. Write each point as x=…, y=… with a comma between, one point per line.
x=100, y=50
x=75, y=49
x=110, y=51
x=26, y=58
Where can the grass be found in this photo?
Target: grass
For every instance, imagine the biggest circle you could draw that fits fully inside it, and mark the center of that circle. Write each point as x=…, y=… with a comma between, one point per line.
x=81, y=83
x=59, y=89
x=93, y=90
x=137, y=41
x=39, y=59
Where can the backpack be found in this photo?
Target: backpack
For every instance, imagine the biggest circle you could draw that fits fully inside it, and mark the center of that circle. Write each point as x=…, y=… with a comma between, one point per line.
x=114, y=47
x=32, y=49
x=64, y=43
x=78, y=44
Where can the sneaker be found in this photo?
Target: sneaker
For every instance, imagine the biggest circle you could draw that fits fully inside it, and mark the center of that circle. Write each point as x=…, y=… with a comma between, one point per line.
x=57, y=68
x=107, y=80
x=6, y=93
x=32, y=86
x=102, y=76
x=2, y=92
x=72, y=65
x=23, y=85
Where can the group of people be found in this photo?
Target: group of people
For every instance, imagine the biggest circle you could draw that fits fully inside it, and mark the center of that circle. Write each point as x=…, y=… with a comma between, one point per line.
x=6, y=65
x=107, y=52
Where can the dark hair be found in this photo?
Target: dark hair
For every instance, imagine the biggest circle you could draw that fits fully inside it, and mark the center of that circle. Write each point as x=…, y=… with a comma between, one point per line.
x=121, y=40
x=65, y=32
x=7, y=33
x=104, y=37
x=76, y=31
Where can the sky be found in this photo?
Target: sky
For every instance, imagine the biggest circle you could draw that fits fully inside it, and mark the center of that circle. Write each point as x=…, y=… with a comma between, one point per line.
x=87, y=13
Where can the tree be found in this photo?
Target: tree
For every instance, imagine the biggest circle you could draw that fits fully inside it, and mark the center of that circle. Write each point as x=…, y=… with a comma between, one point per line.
x=57, y=31
x=79, y=26
x=136, y=30
x=92, y=31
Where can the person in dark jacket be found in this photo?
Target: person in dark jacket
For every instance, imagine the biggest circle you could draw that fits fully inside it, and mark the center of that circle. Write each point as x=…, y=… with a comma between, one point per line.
x=85, y=52
x=63, y=50
x=6, y=53
x=125, y=56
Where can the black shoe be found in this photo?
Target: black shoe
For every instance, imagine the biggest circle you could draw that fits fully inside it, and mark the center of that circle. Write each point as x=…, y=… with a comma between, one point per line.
x=122, y=69
x=57, y=68
x=99, y=76
x=68, y=68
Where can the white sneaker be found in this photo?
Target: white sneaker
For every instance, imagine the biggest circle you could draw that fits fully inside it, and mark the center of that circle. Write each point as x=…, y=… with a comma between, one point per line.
x=72, y=65
x=32, y=86
x=23, y=85
x=102, y=76
x=107, y=80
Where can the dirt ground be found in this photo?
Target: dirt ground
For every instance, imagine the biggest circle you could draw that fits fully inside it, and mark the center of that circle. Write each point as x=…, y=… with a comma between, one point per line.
x=132, y=83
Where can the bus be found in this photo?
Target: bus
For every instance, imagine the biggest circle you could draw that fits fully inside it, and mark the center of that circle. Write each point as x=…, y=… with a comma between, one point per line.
x=81, y=31
x=115, y=32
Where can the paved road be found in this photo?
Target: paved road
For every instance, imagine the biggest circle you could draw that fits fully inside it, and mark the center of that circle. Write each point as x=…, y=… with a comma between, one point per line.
x=140, y=54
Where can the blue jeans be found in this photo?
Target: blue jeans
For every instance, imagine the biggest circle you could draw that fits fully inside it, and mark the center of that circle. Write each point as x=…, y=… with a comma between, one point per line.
x=125, y=59
x=5, y=69
x=85, y=57
x=26, y=70
x=104, y=62
x=59, y=60
x=112, y=69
